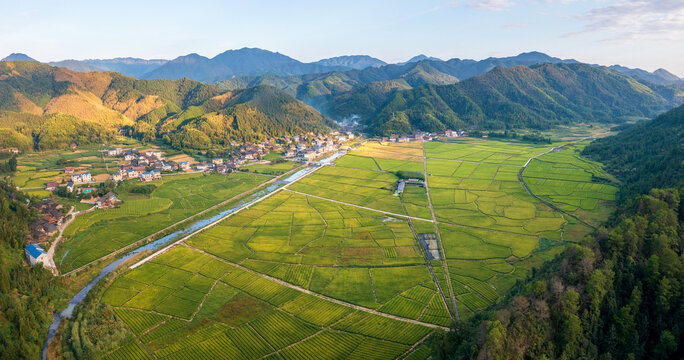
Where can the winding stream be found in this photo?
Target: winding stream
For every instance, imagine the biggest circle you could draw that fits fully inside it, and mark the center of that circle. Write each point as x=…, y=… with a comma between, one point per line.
x=78, y=298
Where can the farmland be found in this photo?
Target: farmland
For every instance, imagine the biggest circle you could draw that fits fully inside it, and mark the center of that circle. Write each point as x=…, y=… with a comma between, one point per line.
x=331, y=265
x=95, y=234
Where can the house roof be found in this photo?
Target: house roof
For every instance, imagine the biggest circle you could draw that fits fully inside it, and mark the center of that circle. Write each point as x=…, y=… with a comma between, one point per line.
x=35, y=251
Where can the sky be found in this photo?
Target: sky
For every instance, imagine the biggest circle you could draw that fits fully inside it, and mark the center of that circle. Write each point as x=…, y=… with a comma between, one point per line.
x=633, y=33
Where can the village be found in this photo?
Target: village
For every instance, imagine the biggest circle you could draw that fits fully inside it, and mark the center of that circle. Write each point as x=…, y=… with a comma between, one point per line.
x=150, y=165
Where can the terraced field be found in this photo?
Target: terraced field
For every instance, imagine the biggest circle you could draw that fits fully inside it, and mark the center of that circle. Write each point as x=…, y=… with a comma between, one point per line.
x=331, y=266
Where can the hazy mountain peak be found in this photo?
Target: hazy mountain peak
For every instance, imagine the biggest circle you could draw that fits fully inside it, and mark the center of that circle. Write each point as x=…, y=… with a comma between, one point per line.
x=421, y=57
x=666, y=75
x=18, y=57
x=358, y=62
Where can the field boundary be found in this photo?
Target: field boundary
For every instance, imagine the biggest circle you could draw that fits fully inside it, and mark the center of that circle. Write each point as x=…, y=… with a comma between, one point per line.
x=320, y=296
x=359, y=206
x=152, y=236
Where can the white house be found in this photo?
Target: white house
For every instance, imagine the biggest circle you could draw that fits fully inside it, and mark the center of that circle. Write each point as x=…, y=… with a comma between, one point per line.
x=35, y=254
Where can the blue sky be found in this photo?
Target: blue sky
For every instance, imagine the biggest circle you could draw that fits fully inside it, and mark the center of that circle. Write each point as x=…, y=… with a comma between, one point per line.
x=634, y=33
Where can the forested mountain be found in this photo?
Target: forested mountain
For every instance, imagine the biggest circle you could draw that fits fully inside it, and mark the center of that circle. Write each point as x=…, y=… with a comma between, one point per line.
x=27, y=294
x=418, y=71
x=617, y=296
x=54, y=107
x=540, y=97
x=650, y=152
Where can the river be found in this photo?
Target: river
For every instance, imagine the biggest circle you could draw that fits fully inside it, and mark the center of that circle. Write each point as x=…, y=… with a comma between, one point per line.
x=78, y=298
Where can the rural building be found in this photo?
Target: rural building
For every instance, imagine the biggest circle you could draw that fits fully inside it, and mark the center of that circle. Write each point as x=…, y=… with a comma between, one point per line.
x=217, y=161
x=70, y=186
x=201, y=167
x=35, y=254
x=51, y=186
x=69, y=170
x=156, y=154
x=184, y=165
x=451, y=133
x=119, y=176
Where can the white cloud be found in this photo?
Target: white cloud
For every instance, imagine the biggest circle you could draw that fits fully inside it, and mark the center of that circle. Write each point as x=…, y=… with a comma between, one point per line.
x=491, y=5
x=628, y=20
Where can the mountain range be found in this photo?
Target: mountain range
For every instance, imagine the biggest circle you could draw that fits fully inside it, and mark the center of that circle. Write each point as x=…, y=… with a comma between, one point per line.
x=530, y=90
x=254, y=62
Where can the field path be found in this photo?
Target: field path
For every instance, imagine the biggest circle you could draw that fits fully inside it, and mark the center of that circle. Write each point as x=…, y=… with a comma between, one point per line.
x=359, y=206
x=320, y=296
x=445, y=267
x=548, y=203
x=152, y=236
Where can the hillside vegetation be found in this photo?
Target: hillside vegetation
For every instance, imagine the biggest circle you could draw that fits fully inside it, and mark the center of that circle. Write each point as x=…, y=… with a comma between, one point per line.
x=54, y=107
x=618, y=296
x=539, y=97
x=651, y=152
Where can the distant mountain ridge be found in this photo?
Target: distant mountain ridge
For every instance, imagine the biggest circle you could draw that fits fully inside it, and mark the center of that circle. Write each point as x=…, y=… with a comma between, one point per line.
x=355, y=62
x=254, y=62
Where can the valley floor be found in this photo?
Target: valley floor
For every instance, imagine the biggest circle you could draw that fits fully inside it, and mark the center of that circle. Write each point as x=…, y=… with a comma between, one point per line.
x=332, y=265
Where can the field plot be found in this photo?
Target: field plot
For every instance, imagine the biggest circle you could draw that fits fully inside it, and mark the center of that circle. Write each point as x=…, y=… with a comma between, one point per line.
x=243, y=316
x=565, y=179
x=270, y=169
x=367, y=188
x=323, y=246
x=98, y=233
x=330, y=234
x=409, y=152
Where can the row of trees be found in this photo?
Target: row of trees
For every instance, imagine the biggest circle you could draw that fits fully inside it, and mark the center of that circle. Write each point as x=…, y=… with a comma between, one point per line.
x=619, y=295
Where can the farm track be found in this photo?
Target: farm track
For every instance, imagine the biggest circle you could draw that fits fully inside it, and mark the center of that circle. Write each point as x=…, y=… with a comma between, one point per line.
x=320, y=296
x=359, y=206
x=445, y=267
x=152, y=236
x=548, y=203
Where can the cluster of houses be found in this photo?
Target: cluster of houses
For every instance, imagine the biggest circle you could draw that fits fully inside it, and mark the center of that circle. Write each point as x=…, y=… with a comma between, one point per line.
x=46, y=225
x=303, y=150
x=423, y=136
x=139, y=164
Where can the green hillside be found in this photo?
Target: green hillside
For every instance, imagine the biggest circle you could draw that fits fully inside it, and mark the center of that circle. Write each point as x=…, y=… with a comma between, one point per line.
x=37, y=100
x=540, y=97
x=651, y=152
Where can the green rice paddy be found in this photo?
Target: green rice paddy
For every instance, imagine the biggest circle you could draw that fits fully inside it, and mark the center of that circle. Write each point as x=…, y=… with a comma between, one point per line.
x=331, y=267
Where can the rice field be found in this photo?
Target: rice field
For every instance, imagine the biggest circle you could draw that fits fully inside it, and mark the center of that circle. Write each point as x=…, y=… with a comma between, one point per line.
x=98, y=233
x=240, y=315
x=284, y=278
